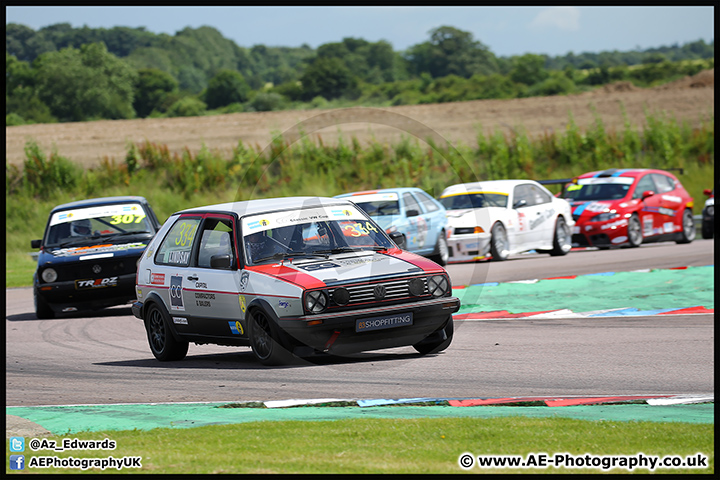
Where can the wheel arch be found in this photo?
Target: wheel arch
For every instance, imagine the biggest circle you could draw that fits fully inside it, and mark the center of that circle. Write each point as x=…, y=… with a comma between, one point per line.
x=154, y=298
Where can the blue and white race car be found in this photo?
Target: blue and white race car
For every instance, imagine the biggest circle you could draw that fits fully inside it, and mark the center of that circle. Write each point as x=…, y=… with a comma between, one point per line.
x=412, y=212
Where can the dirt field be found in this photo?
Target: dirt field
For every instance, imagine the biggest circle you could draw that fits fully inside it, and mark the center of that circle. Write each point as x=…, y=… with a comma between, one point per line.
x=690, y=99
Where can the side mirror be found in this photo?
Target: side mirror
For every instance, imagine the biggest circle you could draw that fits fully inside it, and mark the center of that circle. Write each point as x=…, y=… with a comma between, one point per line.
x=520, y=203
x=35, y=243
x=222, y=260
x=647, y=193
x=412, y=213
x=399, y=239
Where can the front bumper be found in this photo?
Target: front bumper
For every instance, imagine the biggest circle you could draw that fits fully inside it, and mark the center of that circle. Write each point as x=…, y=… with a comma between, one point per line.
x=336, y=333
x=67, y=296
x=600, y=234
x=475, y=246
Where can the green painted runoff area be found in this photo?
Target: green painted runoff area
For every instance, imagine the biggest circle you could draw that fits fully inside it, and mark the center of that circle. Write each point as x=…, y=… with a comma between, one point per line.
x=61, y=420
x=662, y=289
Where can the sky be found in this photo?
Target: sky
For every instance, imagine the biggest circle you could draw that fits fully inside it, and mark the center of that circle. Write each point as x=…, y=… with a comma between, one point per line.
x=506, y=31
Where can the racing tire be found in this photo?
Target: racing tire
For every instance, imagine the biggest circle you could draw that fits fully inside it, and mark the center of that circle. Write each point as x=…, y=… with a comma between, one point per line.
x=42, y=309
x=442, y=253
x=438, y=341
x=562, y=239
x=634, y=231
x=707, y=230
x=499, y=243
x=263, y=340
x=687, y=234
x=163, y=344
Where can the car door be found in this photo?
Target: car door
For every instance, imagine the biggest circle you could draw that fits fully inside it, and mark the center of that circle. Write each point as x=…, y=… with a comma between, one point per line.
x=414, y=224
x=672, y=204
x=531, y=219
x=211, y=290
x=434, y=217
x=650, y=212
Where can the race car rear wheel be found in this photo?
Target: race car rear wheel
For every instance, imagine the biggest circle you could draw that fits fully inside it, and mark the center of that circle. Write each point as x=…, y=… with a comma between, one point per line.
x=634, y=231
x=561, y=241
x=687, y=234
x=263, y=340
x=162, y=343
x=438, y=341
x=442, y=253
x=499, y=248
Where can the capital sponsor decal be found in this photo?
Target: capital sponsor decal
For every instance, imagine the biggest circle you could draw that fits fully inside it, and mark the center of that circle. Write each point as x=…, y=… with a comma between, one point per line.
x=96, y=283
x=157, y=279
x=180, y=320
x=176, y=299
x=379, y=323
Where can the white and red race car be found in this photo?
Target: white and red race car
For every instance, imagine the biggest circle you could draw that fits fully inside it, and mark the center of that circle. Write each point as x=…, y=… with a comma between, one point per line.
x=289, y=277
x=498, y=218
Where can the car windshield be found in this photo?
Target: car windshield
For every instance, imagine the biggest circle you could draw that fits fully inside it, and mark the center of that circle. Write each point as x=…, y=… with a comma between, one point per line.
x=103, y=222
x=588, y=189
x=474, y=200
x=380, y=207
x=310, y=232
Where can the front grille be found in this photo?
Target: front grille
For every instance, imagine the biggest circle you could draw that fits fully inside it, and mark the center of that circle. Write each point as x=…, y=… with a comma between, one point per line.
x=393, y=290
x=464, y=230
x=84, y=269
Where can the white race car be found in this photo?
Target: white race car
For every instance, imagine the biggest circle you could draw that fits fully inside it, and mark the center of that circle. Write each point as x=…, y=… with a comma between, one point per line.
x=503, y=217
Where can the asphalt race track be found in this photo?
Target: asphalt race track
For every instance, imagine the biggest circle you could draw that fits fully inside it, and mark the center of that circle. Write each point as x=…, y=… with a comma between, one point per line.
x=105, y=358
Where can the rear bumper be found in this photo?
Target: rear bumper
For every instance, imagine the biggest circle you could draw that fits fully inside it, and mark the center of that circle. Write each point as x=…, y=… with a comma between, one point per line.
x=337, y=333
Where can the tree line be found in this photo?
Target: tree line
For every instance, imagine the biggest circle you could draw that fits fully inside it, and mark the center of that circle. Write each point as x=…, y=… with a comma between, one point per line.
x=60, y=73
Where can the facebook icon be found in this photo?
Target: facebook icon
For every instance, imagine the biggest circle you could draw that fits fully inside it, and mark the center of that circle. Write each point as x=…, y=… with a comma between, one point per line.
x=17, y=462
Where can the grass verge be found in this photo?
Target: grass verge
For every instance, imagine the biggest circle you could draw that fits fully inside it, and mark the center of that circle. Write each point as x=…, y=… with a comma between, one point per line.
x=390, y=445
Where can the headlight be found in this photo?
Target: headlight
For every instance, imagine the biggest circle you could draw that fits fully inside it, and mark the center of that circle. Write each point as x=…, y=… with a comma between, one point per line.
x=438, y=285
x=341, y=296
x=49, y=275
x=604, y=217
x=316, y=301
x=416, y=286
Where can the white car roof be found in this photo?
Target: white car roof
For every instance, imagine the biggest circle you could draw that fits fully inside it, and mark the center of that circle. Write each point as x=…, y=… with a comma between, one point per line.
x=504, y=186
x=251, y=207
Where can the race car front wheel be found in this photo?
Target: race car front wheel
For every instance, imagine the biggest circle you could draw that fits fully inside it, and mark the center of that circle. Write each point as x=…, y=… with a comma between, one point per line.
x=263, y=340
x=561, y=242
x=634, y=231
x=438, y=341
x=42, y=309
x=499, y=248
x=687, y=234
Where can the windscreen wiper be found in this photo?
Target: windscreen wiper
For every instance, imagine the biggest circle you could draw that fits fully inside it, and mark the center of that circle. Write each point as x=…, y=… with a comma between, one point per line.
x=283, y=256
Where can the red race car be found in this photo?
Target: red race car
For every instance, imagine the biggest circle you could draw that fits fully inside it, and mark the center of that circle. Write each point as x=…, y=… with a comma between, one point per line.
x=627, y=207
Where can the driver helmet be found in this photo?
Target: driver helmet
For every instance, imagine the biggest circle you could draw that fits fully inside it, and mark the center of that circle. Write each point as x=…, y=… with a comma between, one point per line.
x=255, y=243
x=80, y=228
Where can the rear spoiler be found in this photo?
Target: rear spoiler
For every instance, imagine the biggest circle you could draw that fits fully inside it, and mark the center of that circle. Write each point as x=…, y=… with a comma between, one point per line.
x=558, y=181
